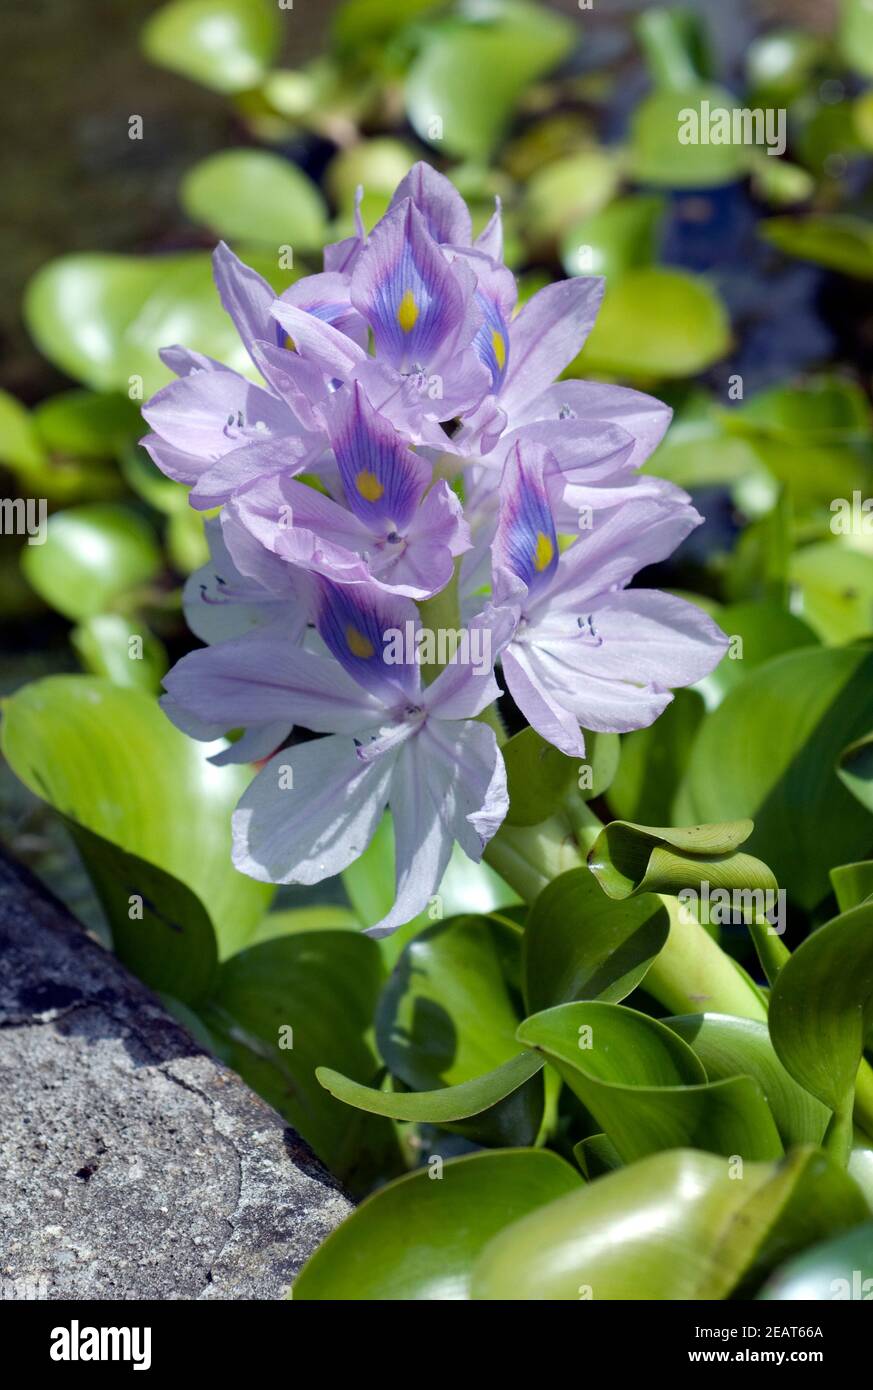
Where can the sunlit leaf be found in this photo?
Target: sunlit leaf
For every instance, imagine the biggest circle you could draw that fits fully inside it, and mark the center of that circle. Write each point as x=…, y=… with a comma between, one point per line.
x=90, y=557
x=656, y=323
x=224, y=44
x=253, y=195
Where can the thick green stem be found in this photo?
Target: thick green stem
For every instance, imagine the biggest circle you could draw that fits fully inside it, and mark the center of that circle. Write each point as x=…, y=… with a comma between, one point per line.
x=690, y=975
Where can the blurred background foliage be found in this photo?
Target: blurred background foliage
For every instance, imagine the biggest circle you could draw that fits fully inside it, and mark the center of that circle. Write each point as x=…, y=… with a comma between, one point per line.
x=740, y=289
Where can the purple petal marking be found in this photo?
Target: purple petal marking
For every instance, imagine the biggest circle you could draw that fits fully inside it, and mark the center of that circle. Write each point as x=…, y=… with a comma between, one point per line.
x=327, y=297
x=526, y=543
x=357, y=623
x=382, y=478
x=416, y=303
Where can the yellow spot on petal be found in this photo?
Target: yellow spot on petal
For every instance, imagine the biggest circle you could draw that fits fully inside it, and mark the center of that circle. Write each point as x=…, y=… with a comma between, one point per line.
x=358, y=644
x=408, y=312
x=368, y=485
x=544, y=552
x=498, y=342
x=289, y=343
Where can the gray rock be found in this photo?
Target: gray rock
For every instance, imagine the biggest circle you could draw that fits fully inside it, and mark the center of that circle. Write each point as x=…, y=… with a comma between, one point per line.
x=134, y=1165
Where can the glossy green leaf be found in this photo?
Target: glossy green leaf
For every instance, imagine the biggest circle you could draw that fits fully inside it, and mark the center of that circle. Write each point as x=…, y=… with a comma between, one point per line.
x=122, y=649
x=769, y=751
x=321, y=917
x=781, y=61
x=855, y=769
x=838, y=1270
x=357, y=23
x=618, y=238
x=468, y=75
x=419, y=1237
x=840, y=241
x=679, y=1225
x=108, y=759
x=660, y=155
x=580, y=945
x=448, y=1015
x=91, y=556
x=226, y=45
x=821, y=1008
x=824, y=409
x=645, y=1088
x=741, y=1047
x=596, y=1155
x=443, y=1106
x=656, y=323
x=286, y=1006
x=253, y=195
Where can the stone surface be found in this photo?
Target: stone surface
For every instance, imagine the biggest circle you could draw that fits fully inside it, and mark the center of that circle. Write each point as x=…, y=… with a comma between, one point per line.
x=133, y=1165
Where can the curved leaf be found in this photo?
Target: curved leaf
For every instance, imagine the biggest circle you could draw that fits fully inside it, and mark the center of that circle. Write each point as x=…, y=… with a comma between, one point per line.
x=419, y=1237
x=580, y=945
x=628, y=859
x=730, y=1046
x=646, y=1088
x=855, y=769
x=839, y=241
x=449, y=1103
x=821, y=1008
x=449, y=1013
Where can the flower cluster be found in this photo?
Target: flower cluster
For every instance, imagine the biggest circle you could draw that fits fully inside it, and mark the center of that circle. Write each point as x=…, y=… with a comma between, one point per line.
x=409, y=454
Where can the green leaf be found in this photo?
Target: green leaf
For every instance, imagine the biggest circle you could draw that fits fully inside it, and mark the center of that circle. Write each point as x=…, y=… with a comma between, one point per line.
x=840, y=1269
x=539, y=776
x=825, y=409
x=855, y=36
x=469, y=75
x=88, y=425
x=449, y=1013
x=658, y=154
x=160, y=928
x=769, y=751
x=840, y=241
x=323, y=987
x=443, y=1106
x=253, y=195
x=741, y=1047
x=833, y=590
x=758, y=631
x=321, y=917
x=103, y=318
x=596, y=1155
x=226, y=45
x=656, y=323
x=580, y=945
x=20, y=443
x=108, y=759
x=91, y=556
x=645, y=1088
x=852, y=883
x=616, y=239
x=628, y=859
x=821, y=1008
x=419, y=1237
x=653, y=760
x=122, y=649
x=378, y=165
x=566, y=190
x=360, y=23
x=673, y=1226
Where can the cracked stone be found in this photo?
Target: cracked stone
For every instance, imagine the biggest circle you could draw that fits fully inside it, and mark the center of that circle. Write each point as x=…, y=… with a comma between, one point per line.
x=151, y=1156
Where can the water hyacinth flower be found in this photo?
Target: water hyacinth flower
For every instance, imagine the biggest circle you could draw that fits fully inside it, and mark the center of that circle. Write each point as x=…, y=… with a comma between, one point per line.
x=409, y=445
